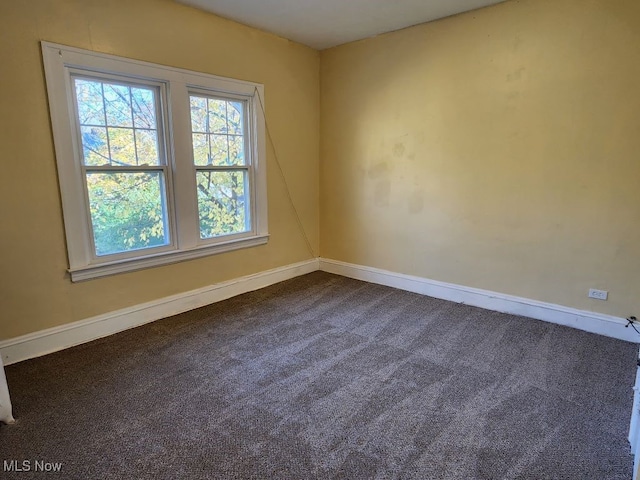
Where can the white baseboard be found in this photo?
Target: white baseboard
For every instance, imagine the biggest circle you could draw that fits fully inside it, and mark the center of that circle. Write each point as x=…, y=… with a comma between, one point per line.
x=581, y=319
x=57, y=338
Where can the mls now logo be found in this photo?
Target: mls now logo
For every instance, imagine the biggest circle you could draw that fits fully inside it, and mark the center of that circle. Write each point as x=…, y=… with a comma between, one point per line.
x=29, y=466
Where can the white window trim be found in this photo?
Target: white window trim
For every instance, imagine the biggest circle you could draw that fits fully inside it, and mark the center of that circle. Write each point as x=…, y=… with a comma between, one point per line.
x=59, y=62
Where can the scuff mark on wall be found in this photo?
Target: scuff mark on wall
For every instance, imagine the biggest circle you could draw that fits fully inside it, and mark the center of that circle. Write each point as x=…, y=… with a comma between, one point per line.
x=398, y=149
x=382, y=193
x=379, y=170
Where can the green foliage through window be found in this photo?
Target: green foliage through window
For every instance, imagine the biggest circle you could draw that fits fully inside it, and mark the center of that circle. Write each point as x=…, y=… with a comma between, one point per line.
x=124, y=167
x=221, y=203
x=127, y=211
x=118, y=130
x=217, y=127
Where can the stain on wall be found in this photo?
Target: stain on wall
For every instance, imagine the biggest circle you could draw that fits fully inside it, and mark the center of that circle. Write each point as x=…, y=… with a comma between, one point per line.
x=511, y=145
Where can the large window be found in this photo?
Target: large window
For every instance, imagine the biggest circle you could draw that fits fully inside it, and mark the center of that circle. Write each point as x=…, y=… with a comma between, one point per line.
x=124, y=167
x=156, y=164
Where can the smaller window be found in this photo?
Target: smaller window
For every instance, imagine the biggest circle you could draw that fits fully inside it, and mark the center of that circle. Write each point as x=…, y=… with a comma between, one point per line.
x=222, y=168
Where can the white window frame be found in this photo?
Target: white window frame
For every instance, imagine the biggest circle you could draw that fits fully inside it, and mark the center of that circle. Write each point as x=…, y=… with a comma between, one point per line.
x=175, y=85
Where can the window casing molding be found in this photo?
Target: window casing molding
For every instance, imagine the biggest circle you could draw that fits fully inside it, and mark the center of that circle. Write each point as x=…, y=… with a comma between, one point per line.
x=174, y=86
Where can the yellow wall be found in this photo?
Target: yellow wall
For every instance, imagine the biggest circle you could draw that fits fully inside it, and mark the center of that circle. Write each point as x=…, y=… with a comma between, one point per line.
x=35, y=291
x=497, y=149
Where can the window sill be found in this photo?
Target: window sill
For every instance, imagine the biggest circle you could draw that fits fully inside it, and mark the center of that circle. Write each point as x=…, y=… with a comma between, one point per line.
x=129, y=265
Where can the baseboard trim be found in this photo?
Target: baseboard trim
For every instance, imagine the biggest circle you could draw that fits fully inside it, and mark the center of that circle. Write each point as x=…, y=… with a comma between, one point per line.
x=580, y=319
x=57, y=338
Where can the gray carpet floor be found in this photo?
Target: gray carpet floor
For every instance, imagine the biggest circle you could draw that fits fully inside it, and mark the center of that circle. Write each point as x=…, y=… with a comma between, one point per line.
x=327, y=377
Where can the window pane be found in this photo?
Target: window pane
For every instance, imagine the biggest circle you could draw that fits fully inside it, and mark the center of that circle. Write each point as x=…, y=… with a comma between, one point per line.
x=130, y=136
x=201, y=149
x=235, y=118
x=219, y=150
x=123, y=147
x=217, y=116
x=223, y=123
x=90, y=104
x=144, y=110
x=198, y=114
x=147, y=147
x=236, y=150
x=118, y=105
x=95, y=148
x=127, y=211
x=222, y=203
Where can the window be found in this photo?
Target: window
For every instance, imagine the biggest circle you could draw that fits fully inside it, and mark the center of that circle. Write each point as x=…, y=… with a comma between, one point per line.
x=156, y=164
x=217, y=126
x=125, y=170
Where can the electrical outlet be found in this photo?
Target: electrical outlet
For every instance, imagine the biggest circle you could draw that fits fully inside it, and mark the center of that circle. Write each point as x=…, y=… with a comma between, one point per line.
x=598, y=294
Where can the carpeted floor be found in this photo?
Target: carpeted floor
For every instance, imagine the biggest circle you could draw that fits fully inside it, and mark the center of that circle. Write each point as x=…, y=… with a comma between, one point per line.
x=327, y=377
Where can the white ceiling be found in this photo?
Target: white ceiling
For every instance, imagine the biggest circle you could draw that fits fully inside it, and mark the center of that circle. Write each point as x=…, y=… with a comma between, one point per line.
x=327, y=23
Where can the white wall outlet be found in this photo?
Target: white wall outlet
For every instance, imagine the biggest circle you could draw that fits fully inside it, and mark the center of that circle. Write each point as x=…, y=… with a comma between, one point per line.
x=598, y=294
